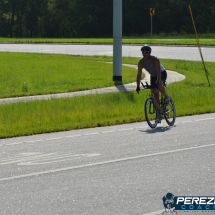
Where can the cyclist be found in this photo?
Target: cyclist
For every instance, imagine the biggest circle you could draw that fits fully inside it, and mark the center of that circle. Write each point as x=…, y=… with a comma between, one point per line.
x=157, y=73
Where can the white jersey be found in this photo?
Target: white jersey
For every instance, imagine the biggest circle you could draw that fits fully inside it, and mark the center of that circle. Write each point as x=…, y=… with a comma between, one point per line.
x=162, y=68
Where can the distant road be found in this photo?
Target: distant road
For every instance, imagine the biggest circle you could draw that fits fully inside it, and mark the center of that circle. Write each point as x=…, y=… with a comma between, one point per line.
x=167, y=52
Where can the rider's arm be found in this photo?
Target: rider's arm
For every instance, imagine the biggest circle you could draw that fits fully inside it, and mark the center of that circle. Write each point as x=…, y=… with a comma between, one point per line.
x=139, y=73
x=158, y=68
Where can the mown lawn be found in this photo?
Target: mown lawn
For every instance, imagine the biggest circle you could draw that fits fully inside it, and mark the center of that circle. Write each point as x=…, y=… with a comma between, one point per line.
x=24, y=74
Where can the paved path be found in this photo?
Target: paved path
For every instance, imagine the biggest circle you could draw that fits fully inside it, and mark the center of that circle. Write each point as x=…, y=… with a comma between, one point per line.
x=172, y=77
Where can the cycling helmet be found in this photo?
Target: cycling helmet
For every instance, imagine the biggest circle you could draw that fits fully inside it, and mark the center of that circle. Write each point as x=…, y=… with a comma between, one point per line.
x=146, y=48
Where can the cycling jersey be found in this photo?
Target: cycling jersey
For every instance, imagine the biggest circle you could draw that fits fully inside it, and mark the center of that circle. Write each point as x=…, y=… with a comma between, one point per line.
x=151, y=68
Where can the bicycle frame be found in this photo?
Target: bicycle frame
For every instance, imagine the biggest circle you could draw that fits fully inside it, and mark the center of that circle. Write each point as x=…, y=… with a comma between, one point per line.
x=159, y=109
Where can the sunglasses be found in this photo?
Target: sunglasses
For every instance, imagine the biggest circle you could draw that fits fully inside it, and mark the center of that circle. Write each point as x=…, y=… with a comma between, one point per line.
x=146, y=52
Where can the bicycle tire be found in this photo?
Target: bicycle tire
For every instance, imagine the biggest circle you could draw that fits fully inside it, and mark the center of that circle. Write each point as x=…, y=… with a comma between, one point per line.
x=151, y=113
x=170, y=114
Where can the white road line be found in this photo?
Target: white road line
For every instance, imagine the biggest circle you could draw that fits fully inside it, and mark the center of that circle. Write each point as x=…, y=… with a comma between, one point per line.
x=104, y=162
x=107, y=132
x=10, y=144
x=55, y=158
x=203, y=119
x=90, y=134
x=73, y=136
x=155, y=212
x=56, y=138
x=186, y=121
x=126, y=129
x=141, y=127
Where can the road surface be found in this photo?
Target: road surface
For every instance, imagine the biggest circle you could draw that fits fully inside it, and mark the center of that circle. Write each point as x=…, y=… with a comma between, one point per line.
x=122, y=169
x=167, y=52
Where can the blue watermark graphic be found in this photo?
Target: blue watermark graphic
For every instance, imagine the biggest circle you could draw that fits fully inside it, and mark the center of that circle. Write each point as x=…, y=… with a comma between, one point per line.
x=172, y=203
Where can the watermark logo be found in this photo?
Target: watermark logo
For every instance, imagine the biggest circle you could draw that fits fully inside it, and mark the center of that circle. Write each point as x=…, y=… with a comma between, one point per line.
x=169, y=204
x=195, y=203
x=172, y=203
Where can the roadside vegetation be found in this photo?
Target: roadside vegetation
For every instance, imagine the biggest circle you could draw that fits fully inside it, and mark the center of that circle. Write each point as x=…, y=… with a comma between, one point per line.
x=157, y=39
x=191, y=96
x=94, y=19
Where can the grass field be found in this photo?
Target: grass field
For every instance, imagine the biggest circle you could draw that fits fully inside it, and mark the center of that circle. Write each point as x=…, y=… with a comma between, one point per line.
x=160, y=39
x=191, y=96
x=24, y=74
x=173, y=35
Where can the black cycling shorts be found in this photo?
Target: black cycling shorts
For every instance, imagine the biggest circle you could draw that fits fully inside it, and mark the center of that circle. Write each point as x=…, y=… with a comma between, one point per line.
x=154, y=78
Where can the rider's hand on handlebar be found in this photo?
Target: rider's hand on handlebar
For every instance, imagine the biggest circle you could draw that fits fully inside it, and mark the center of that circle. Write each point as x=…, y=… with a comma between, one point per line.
x=138, y=90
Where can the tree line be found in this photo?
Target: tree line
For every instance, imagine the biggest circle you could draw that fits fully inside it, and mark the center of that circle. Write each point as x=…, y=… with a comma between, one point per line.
x=94, y=18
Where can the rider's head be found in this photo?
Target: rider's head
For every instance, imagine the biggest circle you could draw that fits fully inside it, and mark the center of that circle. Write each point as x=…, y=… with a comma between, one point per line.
x=146, y=51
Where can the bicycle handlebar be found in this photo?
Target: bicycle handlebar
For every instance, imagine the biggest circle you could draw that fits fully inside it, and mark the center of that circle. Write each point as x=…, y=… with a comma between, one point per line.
x=149, y=86
x=146, y=86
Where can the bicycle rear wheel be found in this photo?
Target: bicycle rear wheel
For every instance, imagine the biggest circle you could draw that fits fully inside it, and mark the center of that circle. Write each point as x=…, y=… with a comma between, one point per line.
x=170, y=114
x=151, y=113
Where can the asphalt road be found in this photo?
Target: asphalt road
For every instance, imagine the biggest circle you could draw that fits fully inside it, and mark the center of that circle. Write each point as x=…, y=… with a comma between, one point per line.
x=122, y=169
x=168, y=52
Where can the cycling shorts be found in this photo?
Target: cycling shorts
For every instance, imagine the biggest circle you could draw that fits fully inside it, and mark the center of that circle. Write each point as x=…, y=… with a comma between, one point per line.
x=154, y=79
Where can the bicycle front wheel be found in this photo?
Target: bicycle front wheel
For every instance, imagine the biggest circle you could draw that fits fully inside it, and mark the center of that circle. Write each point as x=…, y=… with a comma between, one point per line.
x=151, y=113
x=170, y=114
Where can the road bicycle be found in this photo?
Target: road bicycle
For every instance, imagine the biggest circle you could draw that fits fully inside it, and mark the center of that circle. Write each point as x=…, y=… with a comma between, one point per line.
x=153, y=110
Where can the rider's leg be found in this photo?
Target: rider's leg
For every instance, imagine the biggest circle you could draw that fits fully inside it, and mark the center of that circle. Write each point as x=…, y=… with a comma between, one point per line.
x=155, y=90
x=156, y=96
x=163, y=79
x=162, y=89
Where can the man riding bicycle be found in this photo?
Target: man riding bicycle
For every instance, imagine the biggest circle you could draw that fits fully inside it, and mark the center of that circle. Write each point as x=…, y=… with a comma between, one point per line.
x=157, y=73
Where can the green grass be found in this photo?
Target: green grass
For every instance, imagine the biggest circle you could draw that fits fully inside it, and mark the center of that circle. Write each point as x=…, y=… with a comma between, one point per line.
x=170, y=42
x=179, y=39
x=191, y=96
x=24, y=74
x=173, y=35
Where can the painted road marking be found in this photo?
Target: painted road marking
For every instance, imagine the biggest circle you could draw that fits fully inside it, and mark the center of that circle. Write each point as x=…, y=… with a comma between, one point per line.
x=56, y=138
x=186, y=121
x=142, y=127
x=35, y=158
x=90, y=134
x=104, y=162
x=73, y=136
x=9, y=144
x=126, y=129
x=103, y=132
x=203, y=119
